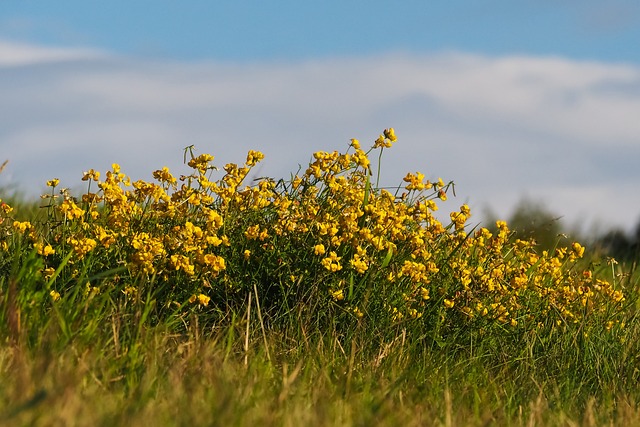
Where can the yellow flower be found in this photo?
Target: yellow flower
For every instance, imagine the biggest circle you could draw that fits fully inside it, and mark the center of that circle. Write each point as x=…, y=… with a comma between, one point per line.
x=449, y=303
x=617, y=296
x=414, y=181
x=360, y=158
x=332, y=262
x=382, y=142
x=70, y=209
x=201, y=162
x=296, y=182
x=253, y=157
x=359, y=264
x=215, y=262
x=22, y=226
x=44, y=250
x=82, y=246
x=91, y=291
x=53, y=183
x=577, y=250
x=182, y=262
x=337, y=295
x=130, y=291
x=390, y=134
x=163, y=175
x=458, y=219
x=55, y=295
x=91, y=174
x=319, y=249
x=252, y=232
x=203, y=299
x=414, y=314
x=5, y=208
x=48, y=272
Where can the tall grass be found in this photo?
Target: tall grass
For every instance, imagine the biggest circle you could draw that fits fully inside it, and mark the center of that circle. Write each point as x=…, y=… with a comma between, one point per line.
x=319, y=299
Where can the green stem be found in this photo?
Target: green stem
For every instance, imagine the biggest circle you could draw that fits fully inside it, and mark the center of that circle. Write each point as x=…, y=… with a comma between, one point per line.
x=379, y=166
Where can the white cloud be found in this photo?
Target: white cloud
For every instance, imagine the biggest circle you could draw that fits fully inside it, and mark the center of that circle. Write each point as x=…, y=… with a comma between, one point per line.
x=555, y=129
x=14, y=54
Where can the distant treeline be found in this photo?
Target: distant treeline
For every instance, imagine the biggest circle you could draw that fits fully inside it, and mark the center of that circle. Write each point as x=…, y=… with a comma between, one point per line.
x=531, y=219
x=620, y=245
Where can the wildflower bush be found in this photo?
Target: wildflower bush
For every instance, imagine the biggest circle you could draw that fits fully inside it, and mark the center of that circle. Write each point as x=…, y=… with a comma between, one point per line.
x=328, y=247
x=252, y=300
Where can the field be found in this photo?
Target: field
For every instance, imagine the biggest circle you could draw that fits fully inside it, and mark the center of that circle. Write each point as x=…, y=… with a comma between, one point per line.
x=209, y=298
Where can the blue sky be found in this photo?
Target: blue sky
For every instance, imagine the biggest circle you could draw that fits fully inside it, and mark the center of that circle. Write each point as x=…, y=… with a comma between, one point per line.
x=249, y=30
x=534, y=99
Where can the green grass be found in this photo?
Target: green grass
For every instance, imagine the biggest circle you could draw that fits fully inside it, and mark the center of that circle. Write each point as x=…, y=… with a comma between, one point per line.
x=207, y=378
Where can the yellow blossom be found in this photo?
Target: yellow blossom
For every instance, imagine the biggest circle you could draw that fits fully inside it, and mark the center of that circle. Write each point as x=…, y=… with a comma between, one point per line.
x=215, y=263
x=359, y=264
x=254, y=157
x=332, y=262
x=44, y=250
x=5, y=208
x=337, y=295
x=70, y=209
x=577, y=250
x=22, y=226
x=201, y=162
x=203, y=299
x=90, y=175
x=414, y=181
x=252, y=232
x=382, y=142
x=48, y=272
x=82, y=246
x=390, y=134
x=163, y=175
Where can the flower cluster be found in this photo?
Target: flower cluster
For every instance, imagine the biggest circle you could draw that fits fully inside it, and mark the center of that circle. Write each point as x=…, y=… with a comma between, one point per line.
x=327, y=233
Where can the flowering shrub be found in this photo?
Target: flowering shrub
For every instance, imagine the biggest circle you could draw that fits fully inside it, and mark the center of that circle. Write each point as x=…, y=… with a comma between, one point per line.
x=326, y=241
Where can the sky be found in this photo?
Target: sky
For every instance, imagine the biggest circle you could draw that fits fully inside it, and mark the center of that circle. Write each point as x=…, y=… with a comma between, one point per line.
x=536, y=100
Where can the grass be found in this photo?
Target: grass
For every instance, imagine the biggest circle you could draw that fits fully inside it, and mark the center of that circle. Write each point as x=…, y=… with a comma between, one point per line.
x=319, y=300
x=207, y=377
